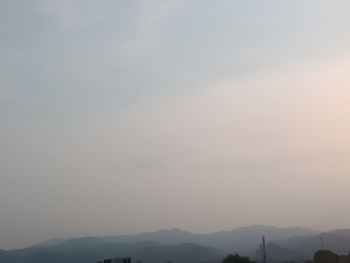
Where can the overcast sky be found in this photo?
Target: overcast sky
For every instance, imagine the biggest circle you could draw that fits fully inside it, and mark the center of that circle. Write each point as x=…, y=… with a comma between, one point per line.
x=128, y=116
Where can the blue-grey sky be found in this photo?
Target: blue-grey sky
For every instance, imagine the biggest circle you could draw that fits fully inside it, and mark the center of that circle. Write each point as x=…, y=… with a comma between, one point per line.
x=128, y=116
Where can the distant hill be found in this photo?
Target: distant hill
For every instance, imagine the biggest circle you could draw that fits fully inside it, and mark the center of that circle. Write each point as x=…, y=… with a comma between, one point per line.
x=305, y=246
x=90, y=250
x=284, y=244
x=50, y=242
x=244, y=240
x=276, y=253
x=165, y=237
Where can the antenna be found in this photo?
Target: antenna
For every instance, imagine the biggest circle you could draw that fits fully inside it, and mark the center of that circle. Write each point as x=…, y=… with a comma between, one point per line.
x=321, y=241
x=263, y=250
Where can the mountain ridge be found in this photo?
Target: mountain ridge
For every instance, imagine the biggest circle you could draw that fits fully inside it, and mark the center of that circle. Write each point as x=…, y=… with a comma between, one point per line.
x=243, y=239
x=283, y=244
x=305, y=246
x=90, y=250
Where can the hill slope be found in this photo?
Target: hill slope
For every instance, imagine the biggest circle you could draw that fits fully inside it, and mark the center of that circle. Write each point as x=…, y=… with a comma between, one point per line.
x=305, y=246
x=90, y=250
x=244, y=240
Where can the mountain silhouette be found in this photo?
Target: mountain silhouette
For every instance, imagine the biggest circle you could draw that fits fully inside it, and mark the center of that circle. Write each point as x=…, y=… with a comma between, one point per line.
x=91, y=250
x=305, y=246
x=243, y=240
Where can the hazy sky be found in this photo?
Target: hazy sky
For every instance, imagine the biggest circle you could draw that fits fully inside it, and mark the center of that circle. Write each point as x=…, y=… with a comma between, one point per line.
x=130, y=116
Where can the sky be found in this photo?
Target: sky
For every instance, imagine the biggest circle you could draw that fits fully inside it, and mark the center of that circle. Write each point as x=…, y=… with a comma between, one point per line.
x=129, y=116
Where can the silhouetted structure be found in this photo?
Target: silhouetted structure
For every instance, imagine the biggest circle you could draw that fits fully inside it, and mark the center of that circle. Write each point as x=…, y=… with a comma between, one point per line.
x=263, y=250
x=116, y=260
x=236, y=259
x=327, y=256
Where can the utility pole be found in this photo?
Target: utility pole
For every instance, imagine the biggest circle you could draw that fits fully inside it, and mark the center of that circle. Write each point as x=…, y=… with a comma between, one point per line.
x=321, y=241
x=263, y=250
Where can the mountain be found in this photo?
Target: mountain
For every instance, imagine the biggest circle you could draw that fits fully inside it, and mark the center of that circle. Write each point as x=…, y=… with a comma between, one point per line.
x=91, y=250
x=166, y=237
x=244, y=240
x=50, y=242
x=276, y=253
x=179, y=253
x=337, y=241
x=284, y=244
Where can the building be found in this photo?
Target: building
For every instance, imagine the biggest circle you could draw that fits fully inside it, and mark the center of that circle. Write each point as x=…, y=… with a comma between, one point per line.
x=116, y=260
x=327, y=256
